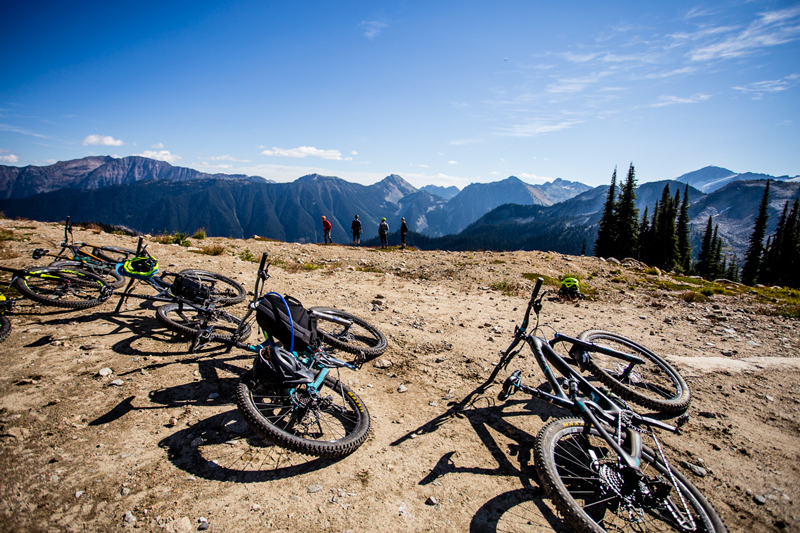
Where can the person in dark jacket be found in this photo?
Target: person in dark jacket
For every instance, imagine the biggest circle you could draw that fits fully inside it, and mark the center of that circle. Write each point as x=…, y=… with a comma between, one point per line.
x=403, y=231
x=326, y=229
x=383, y=230
x=355, y=228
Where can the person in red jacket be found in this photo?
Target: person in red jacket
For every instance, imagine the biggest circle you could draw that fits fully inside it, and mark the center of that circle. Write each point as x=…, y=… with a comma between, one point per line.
x=326, y=228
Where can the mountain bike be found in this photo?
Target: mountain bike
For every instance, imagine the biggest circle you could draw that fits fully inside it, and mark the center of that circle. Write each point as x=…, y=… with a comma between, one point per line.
x=6, y=304
x=595, y=465
x=97, y=259
x=195, y=297
x=290, y=396
x=66, y=287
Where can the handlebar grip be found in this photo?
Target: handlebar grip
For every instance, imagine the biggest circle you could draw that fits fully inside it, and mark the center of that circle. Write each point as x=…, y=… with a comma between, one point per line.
x=139, y=246
x=67, y=222
x=537, y=288
x=263, y=261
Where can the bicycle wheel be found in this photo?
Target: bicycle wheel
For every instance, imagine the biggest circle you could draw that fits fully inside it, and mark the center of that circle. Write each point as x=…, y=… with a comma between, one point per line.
x=585, y=481
x=5, y=327
x=63, y=287
x=108, y=273
x=113, y=254
x=188, y=320
x=332, y=424
x=225, y=290
x=654, y=384
x=360, y=337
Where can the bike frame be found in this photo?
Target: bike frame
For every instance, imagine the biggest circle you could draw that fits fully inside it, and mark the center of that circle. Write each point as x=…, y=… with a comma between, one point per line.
x=595, y=406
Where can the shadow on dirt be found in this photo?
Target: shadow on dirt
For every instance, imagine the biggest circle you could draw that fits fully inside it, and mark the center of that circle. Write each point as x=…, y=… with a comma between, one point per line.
x=222, y=448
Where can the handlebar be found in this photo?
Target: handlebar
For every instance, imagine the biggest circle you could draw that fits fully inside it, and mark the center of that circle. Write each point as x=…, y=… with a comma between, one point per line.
x=263, y=261
x=139, y=246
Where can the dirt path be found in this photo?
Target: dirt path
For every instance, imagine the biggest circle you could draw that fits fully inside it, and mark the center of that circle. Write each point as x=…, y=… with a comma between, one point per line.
x=167, y=445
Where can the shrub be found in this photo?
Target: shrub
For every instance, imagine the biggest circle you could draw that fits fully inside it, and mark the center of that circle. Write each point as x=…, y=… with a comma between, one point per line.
x=199, y=234
x=247, y=255
x=533, y=276
x=175, y=238
x=693, y=296
x=212, y=249
x=509, y=288
x=7, y=235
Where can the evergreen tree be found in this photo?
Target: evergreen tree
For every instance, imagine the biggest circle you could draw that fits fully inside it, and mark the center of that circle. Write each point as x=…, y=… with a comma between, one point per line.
x=627, y=218
x=665, y=241
x=684, y=246
x=644, y=236
x=583, y=247
x=715, y=264
x=732, y=270
x=605, y=244
x=752, y=261
x=770, y=269
x=704, y=256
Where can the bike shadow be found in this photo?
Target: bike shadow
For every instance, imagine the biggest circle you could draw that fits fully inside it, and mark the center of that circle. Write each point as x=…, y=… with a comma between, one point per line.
x=492, y=419
x=223, y=448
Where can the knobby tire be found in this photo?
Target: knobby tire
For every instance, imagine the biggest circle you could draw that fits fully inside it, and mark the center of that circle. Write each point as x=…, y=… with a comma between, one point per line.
x=361, y=337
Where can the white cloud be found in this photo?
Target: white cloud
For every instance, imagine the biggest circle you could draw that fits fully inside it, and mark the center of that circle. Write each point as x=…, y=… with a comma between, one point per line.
x=161, y=155
x=462, y=142
x=758, y=88
x=102, y=140
x=9, y=127
x=670, y=100
x=452, y=162
x=157, y=146
x=535, y=127
x=772, y=28
x=208, y=166
x=372, y=28
x=7, y=157
x=224, y=158
x=305, y=151
x=353, y=153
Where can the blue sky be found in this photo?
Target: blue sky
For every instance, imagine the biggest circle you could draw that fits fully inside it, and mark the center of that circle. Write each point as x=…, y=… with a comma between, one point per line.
x=447, y=93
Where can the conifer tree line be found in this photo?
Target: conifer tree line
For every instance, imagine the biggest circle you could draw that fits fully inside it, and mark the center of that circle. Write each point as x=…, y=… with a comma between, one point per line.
x=660, y=239
x=776, y=262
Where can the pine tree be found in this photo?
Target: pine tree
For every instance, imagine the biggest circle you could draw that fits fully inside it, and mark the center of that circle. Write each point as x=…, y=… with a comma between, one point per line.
x=732, y=270
x=704, y=256
x=684, y=246
x=644, y=236
x=665, y=241
x=627, y=218
x=605, y=244
x=583, y=247
x=770, y=270
x=715, y=264
x=752, y=261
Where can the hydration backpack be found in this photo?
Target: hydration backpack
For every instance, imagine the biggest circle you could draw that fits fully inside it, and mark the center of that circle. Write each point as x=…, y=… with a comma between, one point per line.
x=285, y=319
x=186, y=287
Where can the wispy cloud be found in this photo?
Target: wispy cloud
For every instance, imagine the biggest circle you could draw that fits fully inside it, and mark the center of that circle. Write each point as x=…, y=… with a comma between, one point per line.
x=533, y=177
x=770, y=29
x=575, y=85
x=306, y=151
x=161, y=155
x=22, y=131
x=463, y=142
x=7, y=157
x=758, y=88
x=157, y=146
x=452, y=162
x=372, y=28
x=669, y=73
x=535, y=127
x=102, y=140
x=670, y=100
x=224, y=158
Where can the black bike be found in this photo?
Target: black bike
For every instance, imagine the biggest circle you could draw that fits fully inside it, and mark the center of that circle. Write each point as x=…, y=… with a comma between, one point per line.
x=595, y=465
x=290, y=396
x=65, y=287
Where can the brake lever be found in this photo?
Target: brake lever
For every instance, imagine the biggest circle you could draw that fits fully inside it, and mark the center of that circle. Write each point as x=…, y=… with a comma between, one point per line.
x=38, y=253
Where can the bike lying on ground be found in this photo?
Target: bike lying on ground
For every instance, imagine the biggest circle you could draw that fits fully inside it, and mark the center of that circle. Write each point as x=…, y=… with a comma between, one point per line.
x=97, y=259
x=595, y=465
x=65, y=287
x=290, y=396
x=6, y=305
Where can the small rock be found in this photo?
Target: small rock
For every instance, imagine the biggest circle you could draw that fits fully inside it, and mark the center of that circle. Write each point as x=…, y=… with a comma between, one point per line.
x=91, y=346
x=196, y=442
x=103, y=372
x=760, y=499
x=125, y=491
x=431, y=501
x=129, y=518
x=402, y=388
x=172, y=422
x=382, y=363
x=213, y=396
x=694, y=469
x=314, y=488
x=707, y=414
x=255, y=507
x=117, y=382
x=79, y=494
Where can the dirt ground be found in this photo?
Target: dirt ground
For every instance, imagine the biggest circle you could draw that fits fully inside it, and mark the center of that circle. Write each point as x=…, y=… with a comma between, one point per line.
x=168, y=447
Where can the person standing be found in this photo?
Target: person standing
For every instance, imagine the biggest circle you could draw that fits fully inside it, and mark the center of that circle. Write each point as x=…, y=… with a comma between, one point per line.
x=403, y=231
x=355, y=229
x=326, y=229
x=383, y=230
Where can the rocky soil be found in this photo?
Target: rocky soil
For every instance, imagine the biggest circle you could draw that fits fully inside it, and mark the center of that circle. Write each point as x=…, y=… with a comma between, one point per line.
x=155, y=443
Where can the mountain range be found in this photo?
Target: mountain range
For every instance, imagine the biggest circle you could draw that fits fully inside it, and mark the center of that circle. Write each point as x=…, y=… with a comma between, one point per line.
x=153, y=196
